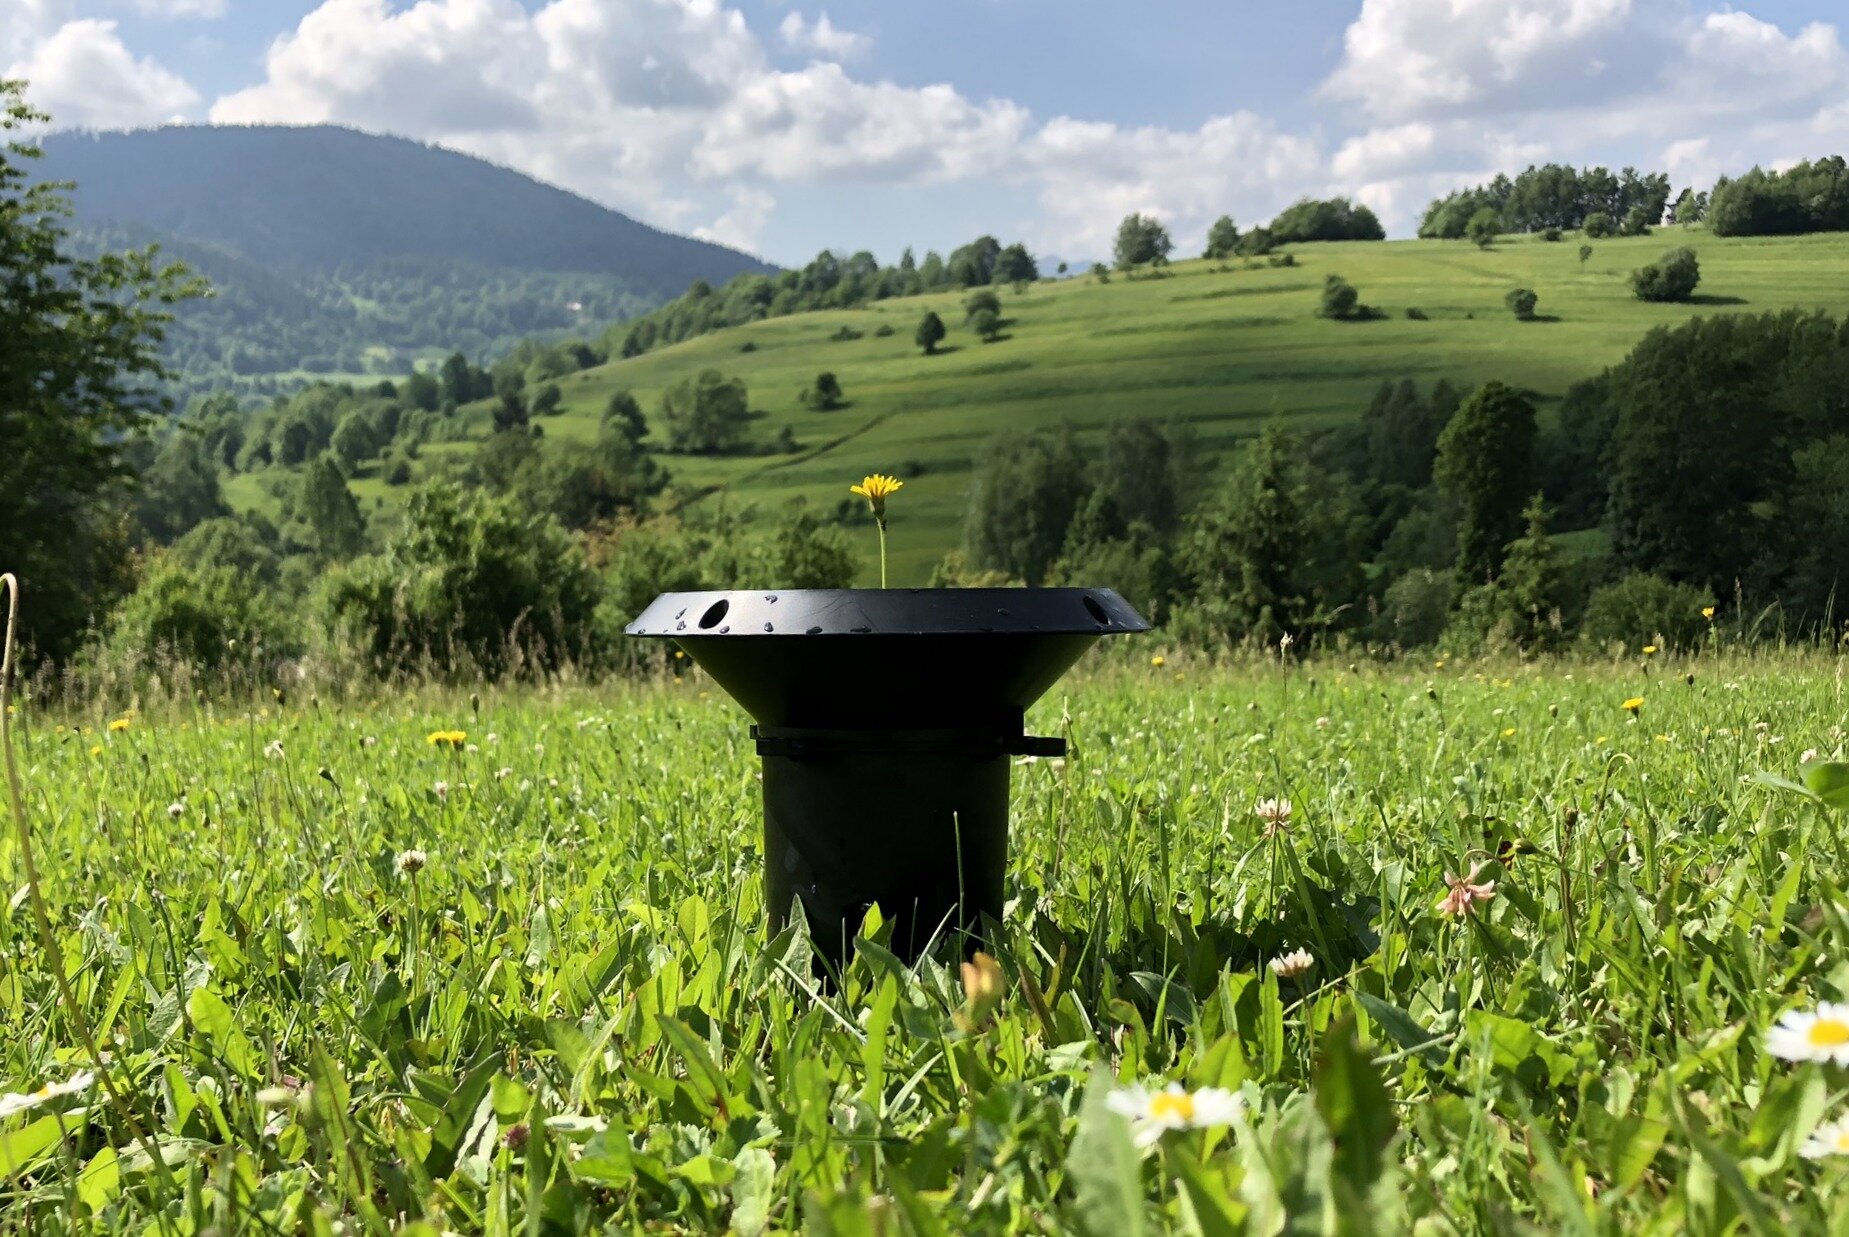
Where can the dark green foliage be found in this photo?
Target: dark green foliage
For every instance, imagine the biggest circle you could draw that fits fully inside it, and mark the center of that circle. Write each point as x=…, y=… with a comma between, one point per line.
x=1574, y=453
x=1637, y=222
x=1598, y=225
x=206, y=616
x=1401, y=433
x=1141, y=239
x=1333, y=219
x=180, y=488
x=1552, y=234
x=1671, y=277
x=1485, y=465
x=1645, y=609
x=1483, y=226
x=546, y=401
x=1585, y=252
x=470, y=580
x=824, y=393
x=976, y=302
x=1025, y=496
x=1812, y=531
x=1521, y=303
x=987, y=325
x=1140, y=471
x=80, y=369
x=1015, y=265
x=1549, y=196
x=1535, y=587
x=1222, y=238
x=1243, y=548
x=930, y=332
x=248, y=546
x=705, y=414
x=1415, y=607
x=623, y=415
x=1339, y=299
x=1257, y=243
x=973, y=265
x=1707, y=419
x=330, y=513
x=1809, y=197
x=710, y=549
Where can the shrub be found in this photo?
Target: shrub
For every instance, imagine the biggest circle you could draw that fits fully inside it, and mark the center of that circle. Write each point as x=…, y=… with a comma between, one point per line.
x=1646, y=609
x=206, y=617
x=885, y=329
x=1598, y=225
x=398, y=472
x=844, y=334
x=1550, y=234
x=748, y=346
x=1415, y=607
x=1521, y=303
x=470, y=578
x=1585, y=251
x=1671, y=277
x=1636, y=222
x=1483, y=227
x=1415, y=313
x=1339, y=299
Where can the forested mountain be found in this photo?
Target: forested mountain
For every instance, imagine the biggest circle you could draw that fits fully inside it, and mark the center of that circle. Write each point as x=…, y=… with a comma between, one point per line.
x=339, y=251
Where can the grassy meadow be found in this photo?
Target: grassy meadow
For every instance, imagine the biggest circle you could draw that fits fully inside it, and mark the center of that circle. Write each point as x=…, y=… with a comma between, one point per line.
x=563, y=1013
x=1222, y=349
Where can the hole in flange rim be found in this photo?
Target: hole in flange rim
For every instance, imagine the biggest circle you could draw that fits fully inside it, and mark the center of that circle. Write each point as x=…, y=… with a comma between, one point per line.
x=714, y=613
x=1096, y=611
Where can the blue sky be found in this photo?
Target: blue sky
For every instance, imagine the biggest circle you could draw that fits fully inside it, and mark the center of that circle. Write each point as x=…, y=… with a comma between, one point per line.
x=787, y=126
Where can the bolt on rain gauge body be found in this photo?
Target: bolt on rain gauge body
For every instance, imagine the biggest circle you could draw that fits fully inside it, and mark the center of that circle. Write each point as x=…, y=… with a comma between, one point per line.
x=887, y=720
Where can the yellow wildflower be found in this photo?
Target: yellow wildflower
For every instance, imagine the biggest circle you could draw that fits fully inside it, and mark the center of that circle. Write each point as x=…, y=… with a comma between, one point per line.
x=1634, y=705
x=1649, y=650
x=1707, y=612
x=876, y=488
x=1158, y=661
x=119, y=725
x=447, y=738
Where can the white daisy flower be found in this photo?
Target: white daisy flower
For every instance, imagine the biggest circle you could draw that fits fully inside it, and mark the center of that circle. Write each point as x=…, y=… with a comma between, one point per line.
x=1154, y=1113
x=1291, y=965
x=1821, y=1034
x=15, y=1102
x=1830, y=1138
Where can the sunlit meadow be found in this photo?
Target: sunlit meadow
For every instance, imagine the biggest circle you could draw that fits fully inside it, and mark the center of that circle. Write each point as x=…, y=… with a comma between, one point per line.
x=1497, y=954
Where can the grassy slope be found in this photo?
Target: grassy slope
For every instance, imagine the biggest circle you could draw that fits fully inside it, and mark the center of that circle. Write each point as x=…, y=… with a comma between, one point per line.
x=1223, y=350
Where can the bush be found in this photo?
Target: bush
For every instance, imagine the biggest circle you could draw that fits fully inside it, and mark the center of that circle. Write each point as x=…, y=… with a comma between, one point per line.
x=471, y=583
x=1483, y=227
x=1646, y=609
x=844, y=334
x=748, y=346
x=1415, y=607
x=1550, y=234
x=885, y=329
x=398, y=472
x=1339, y=300
x=1598, y=225
x=206, y=617
x=1671, y=277
x=1521, y=303
x=1415, y=313
x=1636, y=222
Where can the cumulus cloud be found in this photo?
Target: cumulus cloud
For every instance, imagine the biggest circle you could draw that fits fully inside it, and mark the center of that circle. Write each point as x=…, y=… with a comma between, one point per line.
x=182, y=8
x=81, y=74
x=821, y=37
x=1458, y=89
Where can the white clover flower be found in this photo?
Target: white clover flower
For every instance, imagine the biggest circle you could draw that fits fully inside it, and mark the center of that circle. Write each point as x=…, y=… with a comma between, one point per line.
x=273, y=749
x=503, y=773
x=1154, y=1113
x=1275, y=813
x=440, y=790
x=1821, y=1034
x=1293, y=964
x=1830, y=1138
x=1322, y=723
x=371, y=740
x=176, y=810
x=1810, y=754
x=15, y=1102
x=411, y=862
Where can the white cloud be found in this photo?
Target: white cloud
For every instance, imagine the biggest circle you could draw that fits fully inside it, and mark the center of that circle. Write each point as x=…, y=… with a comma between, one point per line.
x=1459, y=89
x=182, y=8
x=821, y=37
x=742, y=225
x=84, y=77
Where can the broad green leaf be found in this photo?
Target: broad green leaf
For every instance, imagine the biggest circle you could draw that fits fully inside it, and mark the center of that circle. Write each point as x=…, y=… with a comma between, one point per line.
x=1355, y=1105
x=754, y=1183
x=215, y=1020
x=1104, y=1169
x=1829, y=781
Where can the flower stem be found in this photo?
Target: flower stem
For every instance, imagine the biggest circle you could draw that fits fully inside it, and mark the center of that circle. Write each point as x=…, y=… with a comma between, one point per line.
x=882, y=526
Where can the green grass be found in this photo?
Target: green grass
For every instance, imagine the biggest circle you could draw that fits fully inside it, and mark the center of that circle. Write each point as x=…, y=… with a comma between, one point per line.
x=1221, y=350
x=571, y=1019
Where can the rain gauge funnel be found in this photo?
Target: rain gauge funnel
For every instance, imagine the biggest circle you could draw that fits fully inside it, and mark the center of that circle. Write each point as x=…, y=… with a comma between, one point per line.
x=887, y=720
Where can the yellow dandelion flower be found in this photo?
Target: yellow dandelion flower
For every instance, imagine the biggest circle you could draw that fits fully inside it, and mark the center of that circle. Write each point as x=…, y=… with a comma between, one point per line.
x=119, y=725
x=1508, y=732
x=447, y=738
x=876, y=488
x=1158, y=661
x=1649, y=650
x=97, y=750
x=1707, y=612
x=1634, y=705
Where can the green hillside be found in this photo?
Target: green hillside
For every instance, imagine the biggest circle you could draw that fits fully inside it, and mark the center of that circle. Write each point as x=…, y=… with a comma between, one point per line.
x=1222, y=348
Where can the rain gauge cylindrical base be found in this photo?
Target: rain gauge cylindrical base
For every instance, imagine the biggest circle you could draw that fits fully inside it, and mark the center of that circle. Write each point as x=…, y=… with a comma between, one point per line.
x=887, y=720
